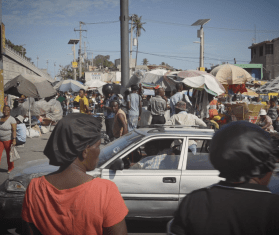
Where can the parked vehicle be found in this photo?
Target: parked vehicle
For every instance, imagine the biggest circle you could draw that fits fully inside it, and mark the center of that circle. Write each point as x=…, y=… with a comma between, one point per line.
x=151, y=189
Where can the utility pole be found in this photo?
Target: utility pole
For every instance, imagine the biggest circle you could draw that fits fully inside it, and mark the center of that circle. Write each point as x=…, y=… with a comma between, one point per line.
x=92, y=60
x=80, y=36
x=131, y=43
x=124, y=18
x=74, y=66
x=200, y=34
x=54, y=69
x=201, y=46
x=47, y=66
x=37, y=62
x=1, y=59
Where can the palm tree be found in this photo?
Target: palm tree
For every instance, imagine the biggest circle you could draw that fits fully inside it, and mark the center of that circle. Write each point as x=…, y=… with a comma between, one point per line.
x=138, y=27
x=145, y=61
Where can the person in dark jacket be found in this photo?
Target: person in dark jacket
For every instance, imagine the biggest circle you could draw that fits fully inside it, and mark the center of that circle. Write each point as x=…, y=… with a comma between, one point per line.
x=242, y=204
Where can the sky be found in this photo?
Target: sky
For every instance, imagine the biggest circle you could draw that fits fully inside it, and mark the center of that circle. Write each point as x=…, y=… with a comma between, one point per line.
x=45, y=27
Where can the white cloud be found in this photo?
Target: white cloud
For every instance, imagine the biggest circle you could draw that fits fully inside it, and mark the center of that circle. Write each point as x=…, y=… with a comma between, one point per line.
x=19, y=12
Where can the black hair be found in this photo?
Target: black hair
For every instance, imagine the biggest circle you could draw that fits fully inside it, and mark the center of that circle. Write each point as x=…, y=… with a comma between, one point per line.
x=114, y=101
x=134, y=87
x=82, y=90
x=179, y=86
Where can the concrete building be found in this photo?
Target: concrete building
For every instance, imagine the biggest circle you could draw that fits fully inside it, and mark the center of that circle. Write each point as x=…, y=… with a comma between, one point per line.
x=267, y=54
x=117, y=63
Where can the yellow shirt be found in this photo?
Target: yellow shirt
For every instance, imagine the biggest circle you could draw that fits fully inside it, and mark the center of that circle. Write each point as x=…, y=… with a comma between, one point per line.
x=82, y=105
x=77, y=99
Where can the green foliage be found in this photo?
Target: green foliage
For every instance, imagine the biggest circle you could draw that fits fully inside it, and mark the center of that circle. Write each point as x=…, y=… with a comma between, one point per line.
x=145, y=61
x=163, y=63
x=103, y=61
x=20, y=49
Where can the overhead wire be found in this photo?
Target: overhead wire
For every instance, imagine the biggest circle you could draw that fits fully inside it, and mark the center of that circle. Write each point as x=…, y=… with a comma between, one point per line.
x=217, y=28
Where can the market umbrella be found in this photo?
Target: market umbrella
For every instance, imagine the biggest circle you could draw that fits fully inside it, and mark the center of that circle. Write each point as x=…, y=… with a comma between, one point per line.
x=30, y=86
x=231, y=74
x=205, y=81
x=57, y=84
x=73, y=85
x=196, y=73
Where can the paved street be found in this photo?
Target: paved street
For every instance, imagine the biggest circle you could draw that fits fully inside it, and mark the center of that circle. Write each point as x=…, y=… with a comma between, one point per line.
x=33, y=150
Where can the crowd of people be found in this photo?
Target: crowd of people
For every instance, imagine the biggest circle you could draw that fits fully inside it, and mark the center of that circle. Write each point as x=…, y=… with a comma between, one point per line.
x=227, y=207
x=69, y=201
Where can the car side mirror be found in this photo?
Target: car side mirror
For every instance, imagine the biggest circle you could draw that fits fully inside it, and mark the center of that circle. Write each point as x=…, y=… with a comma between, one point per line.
x=118, y=165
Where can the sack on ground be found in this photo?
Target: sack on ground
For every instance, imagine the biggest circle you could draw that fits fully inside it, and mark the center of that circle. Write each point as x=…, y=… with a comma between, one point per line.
x=14, y=154
x=44, y=130
x=37, y=128
x=32, y=133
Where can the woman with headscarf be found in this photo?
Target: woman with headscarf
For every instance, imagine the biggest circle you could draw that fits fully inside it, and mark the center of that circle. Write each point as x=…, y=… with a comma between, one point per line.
x=242, y=204
x=70, y=201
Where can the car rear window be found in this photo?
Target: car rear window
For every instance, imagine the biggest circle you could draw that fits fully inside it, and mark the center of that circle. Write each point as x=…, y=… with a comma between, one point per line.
x=199, y=160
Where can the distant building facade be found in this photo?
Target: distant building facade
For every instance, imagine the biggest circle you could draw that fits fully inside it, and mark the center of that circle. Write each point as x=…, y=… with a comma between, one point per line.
x=267, y=54
x=117, y=63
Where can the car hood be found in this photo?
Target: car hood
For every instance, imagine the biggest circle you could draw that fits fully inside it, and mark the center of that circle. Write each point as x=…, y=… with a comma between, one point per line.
x=37, y=168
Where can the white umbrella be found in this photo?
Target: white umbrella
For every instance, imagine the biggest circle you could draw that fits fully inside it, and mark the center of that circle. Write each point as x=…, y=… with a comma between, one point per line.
x=205, y=81
x=73, y=85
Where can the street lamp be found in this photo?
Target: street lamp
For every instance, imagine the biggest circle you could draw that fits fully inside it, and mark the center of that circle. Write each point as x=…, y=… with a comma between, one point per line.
x=201, y=22
x=74, y=41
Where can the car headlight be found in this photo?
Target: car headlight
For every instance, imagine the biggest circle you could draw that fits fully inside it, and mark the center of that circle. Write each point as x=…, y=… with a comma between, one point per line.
x=15, y=186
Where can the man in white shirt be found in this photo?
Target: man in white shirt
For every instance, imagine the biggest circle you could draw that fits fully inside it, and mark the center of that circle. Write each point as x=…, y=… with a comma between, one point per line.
x=181, y=117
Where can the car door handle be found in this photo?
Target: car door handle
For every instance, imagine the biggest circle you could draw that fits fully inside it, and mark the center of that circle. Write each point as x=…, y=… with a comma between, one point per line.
x=169, y=180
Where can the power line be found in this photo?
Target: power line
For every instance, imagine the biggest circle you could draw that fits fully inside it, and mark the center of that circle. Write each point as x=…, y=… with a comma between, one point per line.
x=104, y=22
x=231, y=29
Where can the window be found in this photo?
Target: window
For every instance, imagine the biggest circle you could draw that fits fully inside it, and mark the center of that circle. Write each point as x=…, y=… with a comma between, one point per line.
x=268, y=49
x=198, y=155
x=261, y=51
x=118, y=145
x=158, y=154
x=255, y=52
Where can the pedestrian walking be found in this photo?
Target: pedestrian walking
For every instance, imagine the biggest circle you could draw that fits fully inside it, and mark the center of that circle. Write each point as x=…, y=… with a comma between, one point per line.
x=134, y=108
x=7, y=135
x=120, y=124
x=108, y=112
x=83, y=102
x=242, y=204
x=158, y=105
x=69, y=201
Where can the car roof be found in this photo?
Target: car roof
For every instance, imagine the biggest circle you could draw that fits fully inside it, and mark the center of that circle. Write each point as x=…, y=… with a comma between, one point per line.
x=174, y=130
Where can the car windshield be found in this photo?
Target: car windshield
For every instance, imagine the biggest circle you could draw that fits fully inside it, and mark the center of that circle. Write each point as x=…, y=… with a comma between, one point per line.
x=118, y=145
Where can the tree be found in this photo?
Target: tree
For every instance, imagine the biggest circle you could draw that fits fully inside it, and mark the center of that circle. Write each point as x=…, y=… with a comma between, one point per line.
x=163, y=63
x=145, y=61
x=66, y=72
x=138, y=27
x=103, y=61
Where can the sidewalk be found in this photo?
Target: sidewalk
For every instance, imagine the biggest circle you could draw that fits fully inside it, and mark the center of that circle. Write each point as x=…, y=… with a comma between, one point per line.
x=32, y=150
